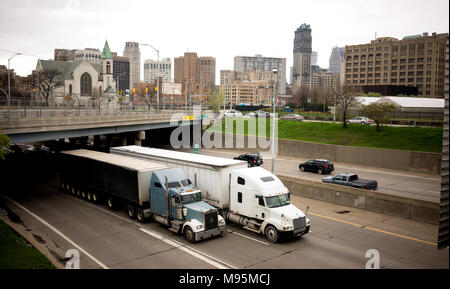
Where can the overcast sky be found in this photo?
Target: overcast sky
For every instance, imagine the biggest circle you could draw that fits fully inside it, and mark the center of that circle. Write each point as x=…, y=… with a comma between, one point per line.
x=221, y=29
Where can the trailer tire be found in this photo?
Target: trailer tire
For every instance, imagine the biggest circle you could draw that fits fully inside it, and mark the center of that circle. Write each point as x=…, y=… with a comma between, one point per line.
x=111, y=202
x=131, y=212
x=271, y=234
x=189, y=234
x=89, y=196
x=140, y=215
x=95, y=197
x=83, y=194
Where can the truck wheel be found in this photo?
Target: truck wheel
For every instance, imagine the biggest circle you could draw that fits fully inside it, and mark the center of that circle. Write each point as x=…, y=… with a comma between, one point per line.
x=131, y=211
x=271, y=234
x=95, y=197
x=111, y=203
x=189, y=234
x=302, y=168
x=140, y=215
x=320, y=171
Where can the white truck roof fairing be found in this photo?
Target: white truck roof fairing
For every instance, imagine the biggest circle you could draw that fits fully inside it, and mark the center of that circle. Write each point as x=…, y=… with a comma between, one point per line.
x=118, y=160
x=253, y=177
x=176, y=155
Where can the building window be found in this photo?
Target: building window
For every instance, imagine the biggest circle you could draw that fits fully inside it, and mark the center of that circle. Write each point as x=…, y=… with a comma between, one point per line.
x=402, y=67
x=394, y=67
x=108, y=68
x=86, y=84
x=70, y=89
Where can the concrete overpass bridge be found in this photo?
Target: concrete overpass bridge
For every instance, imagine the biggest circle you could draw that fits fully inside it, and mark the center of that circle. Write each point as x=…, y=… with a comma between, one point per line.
x=46, y=125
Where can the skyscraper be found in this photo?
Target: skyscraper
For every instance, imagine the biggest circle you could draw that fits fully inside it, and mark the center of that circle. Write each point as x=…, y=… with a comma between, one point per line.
x=336, y=59
x=302, y=56
x=132, y=52
x=314, y=57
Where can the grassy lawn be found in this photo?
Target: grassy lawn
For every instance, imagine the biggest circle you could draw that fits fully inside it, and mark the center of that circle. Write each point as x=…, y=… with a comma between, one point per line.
x=401, y=138
x=16, y=253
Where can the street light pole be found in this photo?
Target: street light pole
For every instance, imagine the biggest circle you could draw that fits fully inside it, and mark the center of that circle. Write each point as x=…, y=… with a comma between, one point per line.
x=157, y=82
x=275, y=71
x=9, y=83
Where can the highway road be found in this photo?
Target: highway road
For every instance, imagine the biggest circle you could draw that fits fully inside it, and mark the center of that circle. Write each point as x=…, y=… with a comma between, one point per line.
x=108, y=239
x=400, y=183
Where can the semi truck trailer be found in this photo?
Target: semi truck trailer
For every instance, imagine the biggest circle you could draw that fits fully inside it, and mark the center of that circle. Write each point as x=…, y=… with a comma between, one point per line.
x=147, y=190
x=252, y=197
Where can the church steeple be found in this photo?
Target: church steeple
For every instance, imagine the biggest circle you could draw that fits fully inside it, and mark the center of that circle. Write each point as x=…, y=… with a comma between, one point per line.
x=106, y=53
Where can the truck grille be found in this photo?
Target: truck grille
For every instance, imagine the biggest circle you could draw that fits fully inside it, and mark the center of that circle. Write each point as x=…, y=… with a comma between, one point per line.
x=210, y=220
x=299, y=223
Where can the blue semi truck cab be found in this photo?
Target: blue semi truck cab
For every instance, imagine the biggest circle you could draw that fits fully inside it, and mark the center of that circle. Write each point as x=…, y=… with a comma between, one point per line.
x=177, y=203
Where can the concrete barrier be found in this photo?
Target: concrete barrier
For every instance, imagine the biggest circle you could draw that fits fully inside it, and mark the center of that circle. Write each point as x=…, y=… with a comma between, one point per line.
x=422, y=162
x=378, y=202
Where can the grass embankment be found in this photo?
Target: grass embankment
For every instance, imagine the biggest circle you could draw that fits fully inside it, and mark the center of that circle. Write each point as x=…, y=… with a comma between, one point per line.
x=16, y=253
x=401, y=138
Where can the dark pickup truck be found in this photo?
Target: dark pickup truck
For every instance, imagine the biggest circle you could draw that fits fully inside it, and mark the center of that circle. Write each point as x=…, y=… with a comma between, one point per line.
x=351, y=180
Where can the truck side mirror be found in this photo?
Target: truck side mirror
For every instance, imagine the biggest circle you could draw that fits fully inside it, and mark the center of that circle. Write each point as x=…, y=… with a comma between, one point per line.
x=307, y=208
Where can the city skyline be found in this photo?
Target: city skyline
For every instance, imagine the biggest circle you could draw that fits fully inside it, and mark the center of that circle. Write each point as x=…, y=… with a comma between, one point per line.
x=77, y=24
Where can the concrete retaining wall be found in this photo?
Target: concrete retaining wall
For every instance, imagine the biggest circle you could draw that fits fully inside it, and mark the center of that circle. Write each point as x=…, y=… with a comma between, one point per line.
x=378, y=202
x=421, y=162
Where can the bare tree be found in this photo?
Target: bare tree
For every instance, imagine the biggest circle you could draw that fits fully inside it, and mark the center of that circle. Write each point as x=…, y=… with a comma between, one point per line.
x=346, y=97
x=47, y=82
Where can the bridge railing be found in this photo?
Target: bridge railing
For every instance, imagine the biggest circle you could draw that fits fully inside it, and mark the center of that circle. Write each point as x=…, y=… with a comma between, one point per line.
x=31, y=108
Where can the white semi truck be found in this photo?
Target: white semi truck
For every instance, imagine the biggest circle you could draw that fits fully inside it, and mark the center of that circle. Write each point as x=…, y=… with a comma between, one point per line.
x=252, y=197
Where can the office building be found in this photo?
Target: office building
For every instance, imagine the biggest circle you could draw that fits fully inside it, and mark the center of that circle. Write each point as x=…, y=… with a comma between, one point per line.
x=261, y=63
x=197, y=74
x=153, y=69
x=134, y=55
x=336, y=60
x=302, y=57
x=64, y=54
x=121, y=72
x=414, y=63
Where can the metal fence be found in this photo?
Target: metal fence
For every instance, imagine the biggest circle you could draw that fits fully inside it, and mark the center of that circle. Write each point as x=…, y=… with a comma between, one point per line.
x=28, y=108
x=411, y=117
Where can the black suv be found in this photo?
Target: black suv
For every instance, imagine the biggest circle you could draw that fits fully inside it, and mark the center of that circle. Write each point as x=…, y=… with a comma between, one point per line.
x=318, y=165
x=252, y=159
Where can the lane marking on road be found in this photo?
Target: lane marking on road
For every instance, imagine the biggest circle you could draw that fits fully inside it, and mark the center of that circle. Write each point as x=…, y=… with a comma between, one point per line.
x=242, y=235
x=196, y=253
x=202, y=256
x=373, y=229
x=57, y=232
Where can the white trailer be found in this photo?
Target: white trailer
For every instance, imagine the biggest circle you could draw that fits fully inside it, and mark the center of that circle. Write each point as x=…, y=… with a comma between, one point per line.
x=252, y=197
x=210, y=174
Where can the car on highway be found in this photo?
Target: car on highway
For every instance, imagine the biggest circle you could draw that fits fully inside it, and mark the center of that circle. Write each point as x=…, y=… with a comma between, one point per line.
x=351, y=180
x=320, y=166
x=361, y=120
x=293, y=116
x=253, y=160
x=232, y=113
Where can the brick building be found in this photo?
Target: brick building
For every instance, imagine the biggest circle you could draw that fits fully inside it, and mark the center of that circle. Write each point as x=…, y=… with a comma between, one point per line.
x=414, y=62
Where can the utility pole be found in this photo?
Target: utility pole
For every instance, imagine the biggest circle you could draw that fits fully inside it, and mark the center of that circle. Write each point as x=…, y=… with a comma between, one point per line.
x=158, y=73
x=275, y=71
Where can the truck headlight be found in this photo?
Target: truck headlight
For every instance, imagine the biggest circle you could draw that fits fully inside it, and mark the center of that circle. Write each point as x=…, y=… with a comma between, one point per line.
x=308, y=222
x=222, y=222
x=199, y=227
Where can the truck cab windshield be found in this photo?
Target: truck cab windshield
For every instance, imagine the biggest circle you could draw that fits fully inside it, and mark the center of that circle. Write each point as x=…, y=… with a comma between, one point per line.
x=191, y=198
x=186, y=182
x=277, y=201
x=174, y=185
